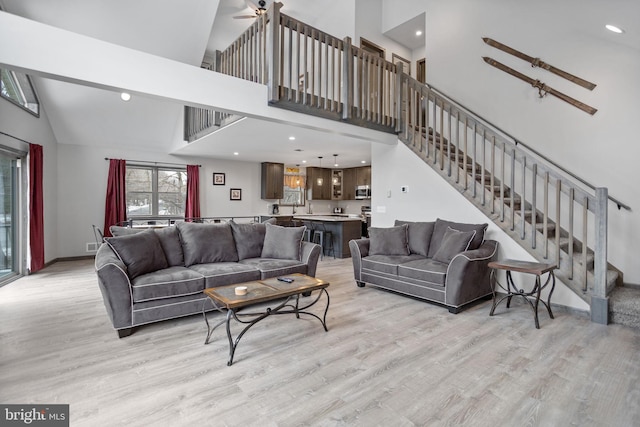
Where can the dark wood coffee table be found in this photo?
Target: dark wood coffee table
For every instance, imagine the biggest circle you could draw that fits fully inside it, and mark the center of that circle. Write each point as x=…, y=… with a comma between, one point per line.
x=286, y=295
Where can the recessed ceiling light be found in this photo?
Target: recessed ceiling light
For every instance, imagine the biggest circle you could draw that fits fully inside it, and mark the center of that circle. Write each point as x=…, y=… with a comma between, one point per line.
x=363, y=161
x=613, y=28
x=125, y=96
x=304, y=161
x=236, y=153
x=292, y=138
x=298, y=149
x=418, y=33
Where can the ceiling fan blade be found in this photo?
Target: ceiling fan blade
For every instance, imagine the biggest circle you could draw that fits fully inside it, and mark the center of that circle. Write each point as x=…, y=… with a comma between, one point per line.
x=252, y=4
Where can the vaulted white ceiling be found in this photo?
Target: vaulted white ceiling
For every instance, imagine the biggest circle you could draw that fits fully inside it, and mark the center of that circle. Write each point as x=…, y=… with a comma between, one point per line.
x=184, y=31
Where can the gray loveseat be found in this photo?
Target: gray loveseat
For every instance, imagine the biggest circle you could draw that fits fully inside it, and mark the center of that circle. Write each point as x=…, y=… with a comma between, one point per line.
x=442, y=261
x=160, y=274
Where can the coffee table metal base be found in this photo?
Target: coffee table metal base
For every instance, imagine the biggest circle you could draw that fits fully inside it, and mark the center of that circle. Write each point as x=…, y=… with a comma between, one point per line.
x=290, y=305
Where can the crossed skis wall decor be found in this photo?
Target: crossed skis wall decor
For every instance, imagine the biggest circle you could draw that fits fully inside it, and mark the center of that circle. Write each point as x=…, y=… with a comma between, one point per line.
x=543, y=89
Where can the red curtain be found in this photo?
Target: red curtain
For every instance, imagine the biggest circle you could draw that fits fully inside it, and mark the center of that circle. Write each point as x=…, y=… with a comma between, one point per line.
x=192, y=205
x=115, y=207
x=36, y=208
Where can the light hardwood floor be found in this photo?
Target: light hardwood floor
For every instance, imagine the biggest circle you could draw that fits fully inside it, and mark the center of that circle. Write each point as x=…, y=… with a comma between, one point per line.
x=387, y=360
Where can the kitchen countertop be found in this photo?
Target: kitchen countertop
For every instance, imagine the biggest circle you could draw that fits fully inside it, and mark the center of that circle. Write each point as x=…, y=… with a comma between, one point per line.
x=329, y=217
x=319, y=217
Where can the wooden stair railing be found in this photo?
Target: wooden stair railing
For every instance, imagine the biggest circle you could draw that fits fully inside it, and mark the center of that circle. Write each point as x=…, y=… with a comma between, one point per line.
x=521, y=193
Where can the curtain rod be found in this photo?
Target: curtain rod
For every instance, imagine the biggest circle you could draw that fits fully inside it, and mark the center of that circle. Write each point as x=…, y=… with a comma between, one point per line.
x=154, y=163
x=14, y=137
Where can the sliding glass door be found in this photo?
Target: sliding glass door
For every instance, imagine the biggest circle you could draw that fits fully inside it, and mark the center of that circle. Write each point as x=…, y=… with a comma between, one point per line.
x=9, y=254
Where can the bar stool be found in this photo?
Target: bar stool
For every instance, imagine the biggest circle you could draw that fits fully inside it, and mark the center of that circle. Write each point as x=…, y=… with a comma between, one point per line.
x=307, y=236
x=322, y=235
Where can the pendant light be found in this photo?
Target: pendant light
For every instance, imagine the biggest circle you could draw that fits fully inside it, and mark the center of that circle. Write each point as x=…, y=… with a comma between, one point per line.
x=335, y=160
x=319, y=180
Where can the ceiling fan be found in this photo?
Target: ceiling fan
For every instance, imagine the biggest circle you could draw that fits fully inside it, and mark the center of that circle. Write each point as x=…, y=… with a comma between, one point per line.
x=259, y=9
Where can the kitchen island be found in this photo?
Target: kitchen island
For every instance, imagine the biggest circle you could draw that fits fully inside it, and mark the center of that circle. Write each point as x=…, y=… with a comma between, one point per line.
x=343, y=227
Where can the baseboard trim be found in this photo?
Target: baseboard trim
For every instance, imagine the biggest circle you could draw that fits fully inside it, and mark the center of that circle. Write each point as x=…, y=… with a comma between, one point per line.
x=71, y=258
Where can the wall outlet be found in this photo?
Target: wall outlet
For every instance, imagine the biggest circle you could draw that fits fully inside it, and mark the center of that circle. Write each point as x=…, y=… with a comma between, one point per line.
x=404, y=189
x=92, y=247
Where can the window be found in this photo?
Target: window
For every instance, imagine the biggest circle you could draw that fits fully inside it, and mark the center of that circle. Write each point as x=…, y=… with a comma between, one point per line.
x=155, y=191
x=9, y=216
x=17, y=88
x=293, y=189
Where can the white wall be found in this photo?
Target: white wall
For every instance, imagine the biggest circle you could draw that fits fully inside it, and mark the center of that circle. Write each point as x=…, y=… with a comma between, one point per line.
x=17, y=122
x=368, y=25
x=396, y=12
x=431, y=197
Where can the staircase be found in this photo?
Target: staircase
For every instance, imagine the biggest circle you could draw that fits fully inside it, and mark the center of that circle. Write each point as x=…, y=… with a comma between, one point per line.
x=554, y=215
x=521, y=193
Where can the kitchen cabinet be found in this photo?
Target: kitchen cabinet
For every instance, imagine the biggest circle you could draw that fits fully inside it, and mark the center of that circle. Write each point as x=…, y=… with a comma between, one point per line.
x=272, y=181
x=353, y=177
x=318, y=183
x=349, y=184
x=363, y=175
x=336, y=184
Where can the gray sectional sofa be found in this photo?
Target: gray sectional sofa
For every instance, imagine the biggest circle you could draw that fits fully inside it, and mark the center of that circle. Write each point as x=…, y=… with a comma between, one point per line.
x=158, y=274
x=441, y=261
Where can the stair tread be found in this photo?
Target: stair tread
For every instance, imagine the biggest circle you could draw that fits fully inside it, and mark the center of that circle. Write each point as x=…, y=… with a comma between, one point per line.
x=625, y=300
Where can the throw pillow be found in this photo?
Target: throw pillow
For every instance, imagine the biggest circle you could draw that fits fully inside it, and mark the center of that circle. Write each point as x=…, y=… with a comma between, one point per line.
x=441, y=227
x=389, y=241
x=453, y=243
x=207, y=243
x=140, y=252
x=170, y=241
x=283, y=242
x=419, y=234
x=249, y=239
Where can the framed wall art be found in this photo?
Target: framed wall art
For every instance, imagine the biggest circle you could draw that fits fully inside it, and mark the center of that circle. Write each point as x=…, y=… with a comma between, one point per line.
x=218, y=178
x=235, y=194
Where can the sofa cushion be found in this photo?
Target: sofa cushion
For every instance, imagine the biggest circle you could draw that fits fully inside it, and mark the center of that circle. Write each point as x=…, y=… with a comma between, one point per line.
x=441, y=227
x=270, y=267
x=426, y=269
x=166, y=283
x=206, y=243
x=282, y=242
x=140, y=252
x=387, y=263
x=249, y=239
x=226, y=273
x=389, y=241
x=419, y=236
x=171, y=245
x=452, y=244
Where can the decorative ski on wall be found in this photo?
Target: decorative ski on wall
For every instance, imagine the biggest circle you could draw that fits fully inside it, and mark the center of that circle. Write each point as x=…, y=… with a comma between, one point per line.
x=543, y=89
x=537, y=62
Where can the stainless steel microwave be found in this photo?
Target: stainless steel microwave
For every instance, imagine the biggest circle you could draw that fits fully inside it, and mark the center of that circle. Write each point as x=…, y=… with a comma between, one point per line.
x=363, y=192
